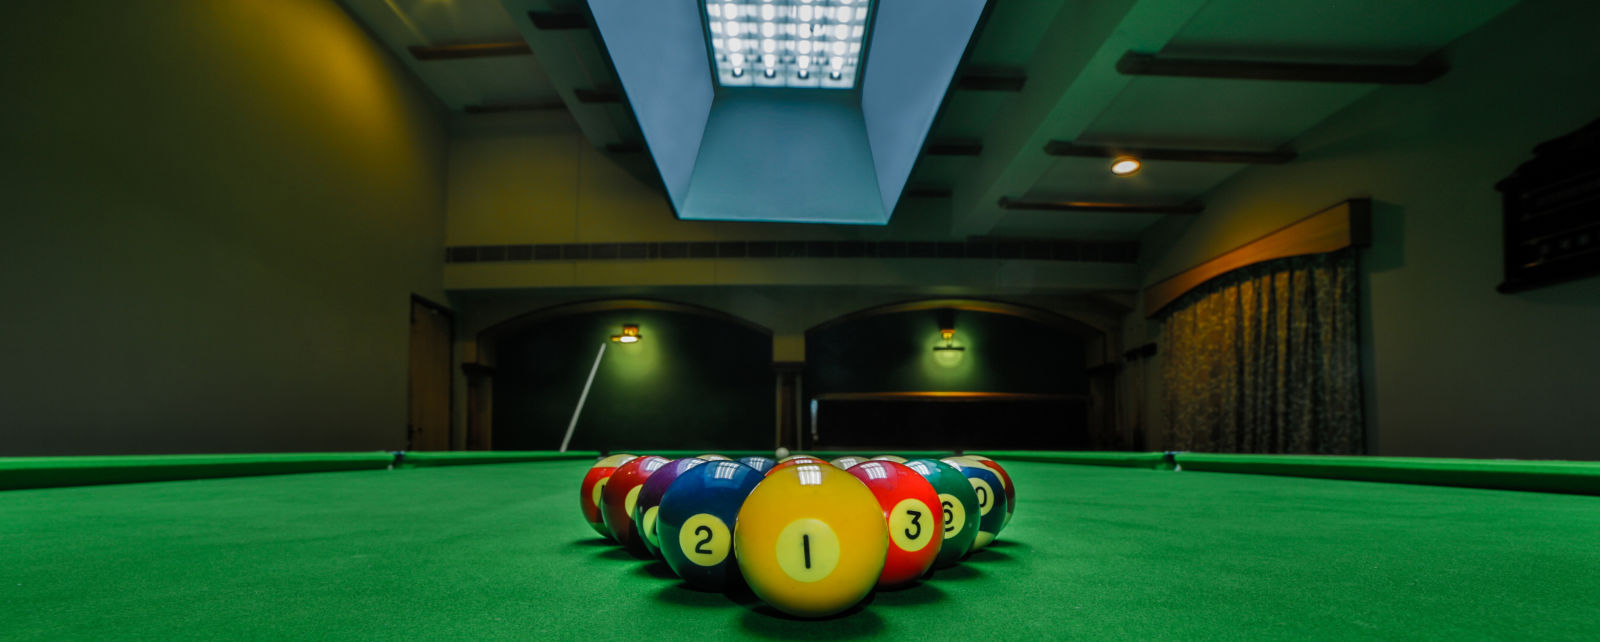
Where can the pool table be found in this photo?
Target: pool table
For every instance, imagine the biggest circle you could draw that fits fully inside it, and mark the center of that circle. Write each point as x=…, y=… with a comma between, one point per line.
x=1138, y=546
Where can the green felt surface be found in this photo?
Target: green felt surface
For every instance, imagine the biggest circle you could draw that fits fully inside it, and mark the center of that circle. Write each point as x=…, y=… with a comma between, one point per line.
x=416, y=458
x=1581, y=477
x=47, y=472
x=500, y=552
x=1121, y=459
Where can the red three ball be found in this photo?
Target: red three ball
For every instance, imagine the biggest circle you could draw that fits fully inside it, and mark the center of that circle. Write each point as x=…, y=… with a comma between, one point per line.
x=916, y=522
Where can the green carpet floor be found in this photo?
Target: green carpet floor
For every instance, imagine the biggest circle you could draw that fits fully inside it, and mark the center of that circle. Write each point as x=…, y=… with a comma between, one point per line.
x=501, y=552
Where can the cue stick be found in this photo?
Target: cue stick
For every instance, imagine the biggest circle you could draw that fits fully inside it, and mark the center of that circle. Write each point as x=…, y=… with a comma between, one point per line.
x=583, y=397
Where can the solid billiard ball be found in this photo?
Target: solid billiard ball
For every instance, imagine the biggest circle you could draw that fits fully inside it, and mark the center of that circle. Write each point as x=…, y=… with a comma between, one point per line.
x=645, y=510
x=696, y=520
x=991, y=499
x=844, y=463
x=1005, y=478
x=912, y=511
x=713, y=457
x=780, y=453
x=894, y=458
x=795, y=461
x=593, y=483
x=794, y=456
x=811, y=540
x=621, y=493
x=958, y=504
x=761, y=464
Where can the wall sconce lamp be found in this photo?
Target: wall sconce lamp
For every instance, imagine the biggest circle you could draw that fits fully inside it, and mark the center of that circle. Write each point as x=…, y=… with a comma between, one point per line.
x=949, y=354
x=630, y=334
x=949, y=336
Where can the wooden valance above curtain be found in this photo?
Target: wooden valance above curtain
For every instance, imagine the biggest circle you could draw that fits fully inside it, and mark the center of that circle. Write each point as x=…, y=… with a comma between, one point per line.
x=1264, y=357
x=1348, y=224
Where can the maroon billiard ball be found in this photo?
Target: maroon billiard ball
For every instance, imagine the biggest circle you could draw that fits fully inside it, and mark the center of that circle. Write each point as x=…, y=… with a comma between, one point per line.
x=621, y=493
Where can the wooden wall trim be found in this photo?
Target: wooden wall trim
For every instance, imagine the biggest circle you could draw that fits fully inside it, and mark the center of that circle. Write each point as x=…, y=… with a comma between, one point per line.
x=1344, y=225
x=1037, y=315
x=945, y=396
x=470, y=50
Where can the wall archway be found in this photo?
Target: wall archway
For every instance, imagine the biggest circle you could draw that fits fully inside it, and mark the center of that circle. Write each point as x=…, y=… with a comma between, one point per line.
x=699, y=378
x=1012, y=376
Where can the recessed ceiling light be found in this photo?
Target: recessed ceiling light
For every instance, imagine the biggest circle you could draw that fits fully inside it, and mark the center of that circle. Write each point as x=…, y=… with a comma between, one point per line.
x=1126, y=166
x=789, y=41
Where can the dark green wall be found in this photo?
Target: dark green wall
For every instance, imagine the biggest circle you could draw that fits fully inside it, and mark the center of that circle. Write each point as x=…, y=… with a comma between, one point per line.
x=693, y=382
x=894, y=353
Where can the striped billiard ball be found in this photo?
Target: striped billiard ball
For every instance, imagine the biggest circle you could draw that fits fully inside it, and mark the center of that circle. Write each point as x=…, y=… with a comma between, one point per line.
x=991, y=499
x=1005, y=478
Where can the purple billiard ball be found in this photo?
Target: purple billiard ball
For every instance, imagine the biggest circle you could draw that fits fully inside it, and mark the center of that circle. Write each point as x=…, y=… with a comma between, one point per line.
x=644, y=511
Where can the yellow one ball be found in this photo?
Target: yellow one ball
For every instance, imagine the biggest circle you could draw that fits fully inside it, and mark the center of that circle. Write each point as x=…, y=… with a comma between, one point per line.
x=811, y=540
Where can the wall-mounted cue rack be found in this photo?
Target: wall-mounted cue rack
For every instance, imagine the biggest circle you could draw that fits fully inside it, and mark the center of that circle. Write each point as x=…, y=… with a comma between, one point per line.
x=1552, y=213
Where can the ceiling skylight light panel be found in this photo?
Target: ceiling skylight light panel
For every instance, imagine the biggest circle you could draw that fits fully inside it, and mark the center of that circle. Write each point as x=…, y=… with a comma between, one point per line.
x=787, y=43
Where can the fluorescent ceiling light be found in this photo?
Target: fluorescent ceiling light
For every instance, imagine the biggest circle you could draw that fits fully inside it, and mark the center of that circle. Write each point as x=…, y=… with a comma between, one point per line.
x=815, y=44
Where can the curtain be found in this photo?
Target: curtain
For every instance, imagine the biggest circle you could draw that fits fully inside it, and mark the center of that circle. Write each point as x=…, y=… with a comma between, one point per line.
x=1266, y=359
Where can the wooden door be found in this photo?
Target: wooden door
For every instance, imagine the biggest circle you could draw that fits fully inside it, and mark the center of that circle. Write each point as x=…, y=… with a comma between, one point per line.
x=432, y=329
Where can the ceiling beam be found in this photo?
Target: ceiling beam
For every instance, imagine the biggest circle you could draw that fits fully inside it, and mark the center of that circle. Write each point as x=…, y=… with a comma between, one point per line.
x=1103, y=208
x=554, y=21
x=500, y=108
x=597, y=96
x=989, y=80
x=1137, y=64
x=569, y=60
x=1065, y=148
x=470, y=50
x=927, y=191
x=1072, y=79
x=953, y=147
